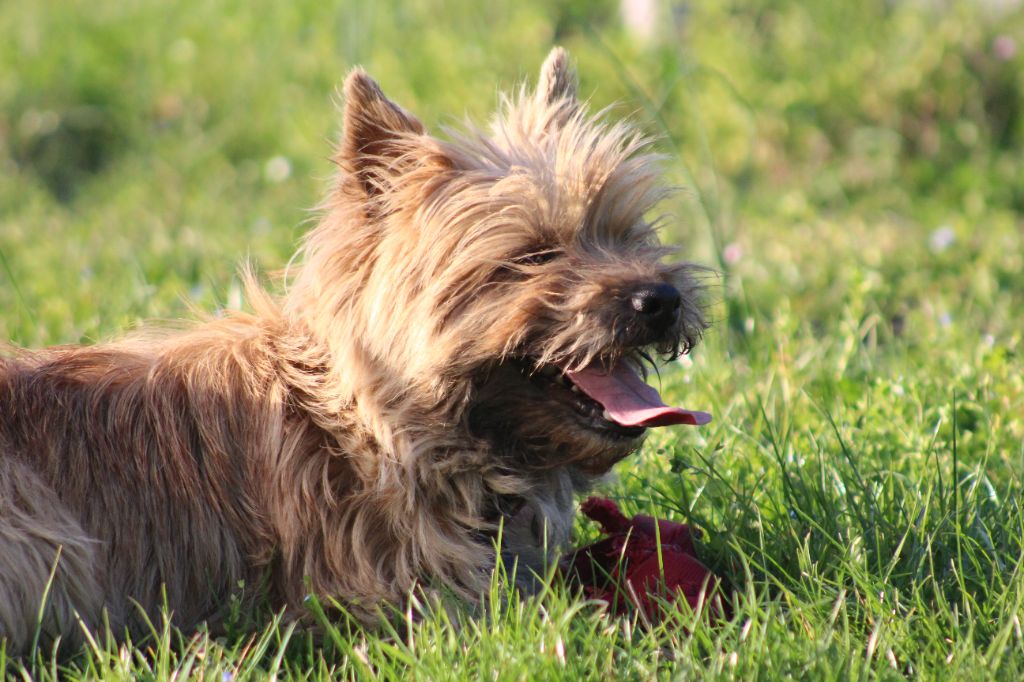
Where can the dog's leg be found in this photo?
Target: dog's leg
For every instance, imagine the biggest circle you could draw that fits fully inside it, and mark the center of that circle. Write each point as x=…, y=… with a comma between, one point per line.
x=39, y=538
x=533, y=538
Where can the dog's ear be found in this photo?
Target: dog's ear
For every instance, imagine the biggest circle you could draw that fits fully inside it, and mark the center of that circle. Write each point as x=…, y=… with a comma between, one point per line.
x=557, y=80
x=376, y=131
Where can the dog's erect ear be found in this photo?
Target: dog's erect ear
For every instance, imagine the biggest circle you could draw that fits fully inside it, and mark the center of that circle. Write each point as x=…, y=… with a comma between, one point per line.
x=374, y=128
x=557, y=79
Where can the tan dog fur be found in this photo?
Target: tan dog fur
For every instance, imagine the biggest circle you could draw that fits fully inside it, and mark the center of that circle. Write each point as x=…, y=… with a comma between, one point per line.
x=368, y=429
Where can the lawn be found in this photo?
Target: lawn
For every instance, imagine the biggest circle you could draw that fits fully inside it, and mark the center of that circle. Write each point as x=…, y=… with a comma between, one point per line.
x=854, y=173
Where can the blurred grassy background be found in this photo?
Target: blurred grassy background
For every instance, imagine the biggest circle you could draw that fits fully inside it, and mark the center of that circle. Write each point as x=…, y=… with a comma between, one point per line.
x=146, y=147
x=854, y=171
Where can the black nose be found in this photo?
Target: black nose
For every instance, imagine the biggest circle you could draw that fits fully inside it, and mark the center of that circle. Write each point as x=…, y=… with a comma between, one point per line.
x=658, y=304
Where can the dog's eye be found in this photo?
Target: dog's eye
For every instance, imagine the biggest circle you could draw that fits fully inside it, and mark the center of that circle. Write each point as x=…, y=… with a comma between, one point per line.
x=536, y=257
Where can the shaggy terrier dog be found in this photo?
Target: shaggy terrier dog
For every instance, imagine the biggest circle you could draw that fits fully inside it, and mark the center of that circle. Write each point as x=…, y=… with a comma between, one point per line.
x=460, y=349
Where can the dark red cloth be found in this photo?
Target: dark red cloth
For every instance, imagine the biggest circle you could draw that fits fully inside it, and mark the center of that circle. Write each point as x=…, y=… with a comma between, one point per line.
x=622, y=568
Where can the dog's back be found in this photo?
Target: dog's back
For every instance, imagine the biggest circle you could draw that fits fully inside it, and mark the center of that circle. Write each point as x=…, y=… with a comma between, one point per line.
x=129, y=462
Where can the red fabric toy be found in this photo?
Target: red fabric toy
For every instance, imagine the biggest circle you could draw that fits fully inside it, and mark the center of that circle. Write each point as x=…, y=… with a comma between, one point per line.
x=623, y=567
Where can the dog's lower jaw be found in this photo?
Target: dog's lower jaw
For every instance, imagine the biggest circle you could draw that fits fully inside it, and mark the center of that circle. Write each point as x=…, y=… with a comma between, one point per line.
x=534, y=423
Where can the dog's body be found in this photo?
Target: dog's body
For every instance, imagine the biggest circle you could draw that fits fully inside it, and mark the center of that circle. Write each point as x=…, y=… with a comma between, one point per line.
x=417, y=387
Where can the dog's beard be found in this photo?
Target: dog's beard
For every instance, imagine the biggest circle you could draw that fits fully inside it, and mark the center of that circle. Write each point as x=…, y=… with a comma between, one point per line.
x=545, y=416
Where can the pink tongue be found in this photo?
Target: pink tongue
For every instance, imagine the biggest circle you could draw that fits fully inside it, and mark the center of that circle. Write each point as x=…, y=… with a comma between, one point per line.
x=630, y=401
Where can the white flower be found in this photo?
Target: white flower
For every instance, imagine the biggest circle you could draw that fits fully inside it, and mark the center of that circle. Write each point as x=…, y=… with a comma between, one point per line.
x=942, y=238
x=277, y=169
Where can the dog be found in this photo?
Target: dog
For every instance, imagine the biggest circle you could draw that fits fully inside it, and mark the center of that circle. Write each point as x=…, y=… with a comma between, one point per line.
x=457, y=352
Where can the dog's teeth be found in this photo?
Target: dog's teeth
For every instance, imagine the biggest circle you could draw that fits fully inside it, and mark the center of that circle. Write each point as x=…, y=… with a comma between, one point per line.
x=573, y=387
x=607, y=415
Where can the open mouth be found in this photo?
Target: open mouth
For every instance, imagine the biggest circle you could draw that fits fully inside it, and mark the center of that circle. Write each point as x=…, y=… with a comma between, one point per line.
x=614, y=401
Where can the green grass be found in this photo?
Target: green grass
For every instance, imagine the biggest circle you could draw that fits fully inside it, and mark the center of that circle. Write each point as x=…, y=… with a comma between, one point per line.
x=854, y=171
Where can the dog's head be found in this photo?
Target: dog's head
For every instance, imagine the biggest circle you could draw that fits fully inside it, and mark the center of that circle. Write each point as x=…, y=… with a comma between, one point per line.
x=510, y=279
